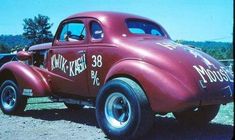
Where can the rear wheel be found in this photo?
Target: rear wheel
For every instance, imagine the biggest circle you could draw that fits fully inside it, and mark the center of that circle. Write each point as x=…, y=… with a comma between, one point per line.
x=11, y=101
x=123, y=110
x=197, y=116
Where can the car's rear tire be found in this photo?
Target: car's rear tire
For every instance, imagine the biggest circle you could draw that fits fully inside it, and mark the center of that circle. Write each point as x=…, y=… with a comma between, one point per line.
x=123, y=110
x=73, y=106
x=197, y=116
x=11, y=101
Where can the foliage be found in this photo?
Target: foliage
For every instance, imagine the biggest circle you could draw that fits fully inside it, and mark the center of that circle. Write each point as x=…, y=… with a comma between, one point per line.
x=11, y=42
x=3, y=48
x=14, y=40
x=219, y=50
x=37, y=29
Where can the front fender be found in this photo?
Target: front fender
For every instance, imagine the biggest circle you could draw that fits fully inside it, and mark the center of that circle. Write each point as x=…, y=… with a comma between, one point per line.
x=27, y=78
x=165, y=93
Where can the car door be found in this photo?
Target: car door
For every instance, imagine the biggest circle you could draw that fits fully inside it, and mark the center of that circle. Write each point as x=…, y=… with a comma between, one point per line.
x=101, y=56
x=68, y=57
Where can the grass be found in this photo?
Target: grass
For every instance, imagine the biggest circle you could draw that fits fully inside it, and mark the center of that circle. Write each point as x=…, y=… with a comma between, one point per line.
x=43, y=103
x=225, y=115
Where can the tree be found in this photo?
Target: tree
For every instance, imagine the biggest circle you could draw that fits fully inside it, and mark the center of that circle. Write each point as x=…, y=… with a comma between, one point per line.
x=3, y=48
x=37, y=29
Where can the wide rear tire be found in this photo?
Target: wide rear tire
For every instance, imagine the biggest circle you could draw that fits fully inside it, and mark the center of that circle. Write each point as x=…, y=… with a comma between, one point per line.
x=123, y=110
x=11, y=101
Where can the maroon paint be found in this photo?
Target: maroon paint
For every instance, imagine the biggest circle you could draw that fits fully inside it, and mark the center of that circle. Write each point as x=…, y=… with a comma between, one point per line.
x=167, y=76
x=28, y=77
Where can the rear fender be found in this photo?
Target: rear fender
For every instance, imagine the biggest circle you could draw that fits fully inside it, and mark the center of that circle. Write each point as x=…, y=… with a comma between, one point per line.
x=164, y=92
x=30, y=81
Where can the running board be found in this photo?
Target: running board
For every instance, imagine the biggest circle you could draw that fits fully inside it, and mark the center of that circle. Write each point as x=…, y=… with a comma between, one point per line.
x=73, y=101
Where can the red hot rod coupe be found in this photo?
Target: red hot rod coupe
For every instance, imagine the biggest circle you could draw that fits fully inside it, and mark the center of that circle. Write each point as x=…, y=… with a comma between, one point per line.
x=126, y=66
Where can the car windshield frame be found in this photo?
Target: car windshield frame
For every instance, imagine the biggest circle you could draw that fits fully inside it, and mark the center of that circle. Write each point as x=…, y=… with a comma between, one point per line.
x=146, y=27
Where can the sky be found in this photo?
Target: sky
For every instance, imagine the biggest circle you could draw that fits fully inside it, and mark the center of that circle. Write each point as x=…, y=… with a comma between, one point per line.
x=195, y=20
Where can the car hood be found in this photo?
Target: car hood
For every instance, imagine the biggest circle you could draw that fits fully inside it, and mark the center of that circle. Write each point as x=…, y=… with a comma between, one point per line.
x=195, y=69
x=43, y=46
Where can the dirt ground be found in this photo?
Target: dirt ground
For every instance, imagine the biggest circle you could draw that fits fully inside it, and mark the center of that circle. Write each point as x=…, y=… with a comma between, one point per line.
x=55, y=121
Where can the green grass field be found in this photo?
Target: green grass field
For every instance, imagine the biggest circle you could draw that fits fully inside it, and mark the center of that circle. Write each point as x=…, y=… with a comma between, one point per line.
x=225, y=115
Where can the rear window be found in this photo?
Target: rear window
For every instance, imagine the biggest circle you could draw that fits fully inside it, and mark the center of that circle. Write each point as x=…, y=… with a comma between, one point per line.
x=144, y=27
x=96, y=31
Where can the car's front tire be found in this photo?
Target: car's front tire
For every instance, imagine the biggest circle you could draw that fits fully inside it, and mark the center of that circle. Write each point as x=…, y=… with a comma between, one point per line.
x=11, y=101
x=123, y=110
x=197, y=116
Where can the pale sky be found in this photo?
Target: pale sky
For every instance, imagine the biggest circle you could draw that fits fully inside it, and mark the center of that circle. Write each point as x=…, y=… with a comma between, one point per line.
x=197, y=20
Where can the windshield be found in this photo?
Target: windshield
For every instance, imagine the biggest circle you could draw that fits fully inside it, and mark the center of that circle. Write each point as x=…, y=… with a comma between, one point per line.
x=143, y=27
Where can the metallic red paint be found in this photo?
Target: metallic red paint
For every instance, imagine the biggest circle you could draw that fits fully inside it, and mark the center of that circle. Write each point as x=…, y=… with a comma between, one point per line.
x=27, y=77
x=173, y=76
x=22, y=55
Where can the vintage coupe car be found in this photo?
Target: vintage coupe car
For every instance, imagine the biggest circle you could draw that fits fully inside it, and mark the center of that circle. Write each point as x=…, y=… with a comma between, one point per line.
x=126, y=66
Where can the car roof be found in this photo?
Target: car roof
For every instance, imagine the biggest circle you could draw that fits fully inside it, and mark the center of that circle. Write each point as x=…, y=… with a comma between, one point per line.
x=100, y=15
x=112, y=20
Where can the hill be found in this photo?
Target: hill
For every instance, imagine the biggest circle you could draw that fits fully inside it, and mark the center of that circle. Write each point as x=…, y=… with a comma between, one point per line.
x=9, y=42
x=219, y=50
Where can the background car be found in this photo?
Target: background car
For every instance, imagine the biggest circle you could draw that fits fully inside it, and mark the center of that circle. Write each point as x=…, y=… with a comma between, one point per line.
x=4, y=58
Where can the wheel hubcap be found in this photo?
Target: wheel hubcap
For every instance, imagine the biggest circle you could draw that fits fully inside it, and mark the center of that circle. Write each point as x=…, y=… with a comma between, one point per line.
x=8, y=98
x=117, y=110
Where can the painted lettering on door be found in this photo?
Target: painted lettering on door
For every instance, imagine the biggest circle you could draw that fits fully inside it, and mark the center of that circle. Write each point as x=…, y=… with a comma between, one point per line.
x=97, y=62
x=72, y=68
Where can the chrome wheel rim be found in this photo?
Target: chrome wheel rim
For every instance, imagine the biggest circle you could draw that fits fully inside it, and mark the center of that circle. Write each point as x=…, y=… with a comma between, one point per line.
x=117, y=110
x=8, y=97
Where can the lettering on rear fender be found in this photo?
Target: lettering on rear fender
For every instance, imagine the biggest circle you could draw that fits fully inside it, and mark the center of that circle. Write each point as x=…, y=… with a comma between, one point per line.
x=210, y=75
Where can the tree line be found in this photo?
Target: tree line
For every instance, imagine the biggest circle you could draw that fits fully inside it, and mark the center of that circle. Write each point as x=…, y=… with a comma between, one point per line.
x=37, y=30
x=219, y=50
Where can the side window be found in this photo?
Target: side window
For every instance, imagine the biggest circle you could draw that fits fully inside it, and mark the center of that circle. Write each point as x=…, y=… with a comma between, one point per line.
x=136, y=30
x=74, y=31
x=96, y=31
x=155, y=32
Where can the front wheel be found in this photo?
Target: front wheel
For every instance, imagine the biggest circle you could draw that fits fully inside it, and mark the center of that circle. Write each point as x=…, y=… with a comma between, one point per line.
x=11, y=101
x=197, y=116
x=123, y=110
